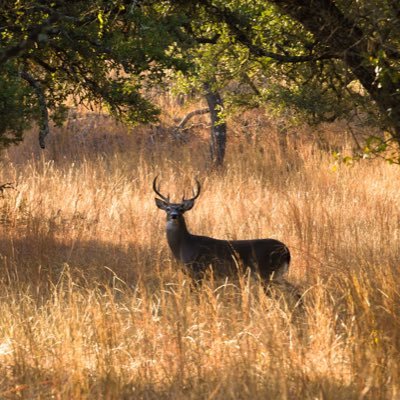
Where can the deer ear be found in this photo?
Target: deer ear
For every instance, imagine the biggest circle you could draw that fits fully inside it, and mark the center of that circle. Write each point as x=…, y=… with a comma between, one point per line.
x=188, y=205
x=161, y=204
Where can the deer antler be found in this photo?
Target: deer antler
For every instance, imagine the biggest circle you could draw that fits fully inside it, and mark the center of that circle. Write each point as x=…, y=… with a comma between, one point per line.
x=195, y=194
x=157, y=192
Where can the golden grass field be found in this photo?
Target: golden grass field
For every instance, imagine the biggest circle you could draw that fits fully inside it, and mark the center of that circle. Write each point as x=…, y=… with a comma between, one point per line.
x=92, y=306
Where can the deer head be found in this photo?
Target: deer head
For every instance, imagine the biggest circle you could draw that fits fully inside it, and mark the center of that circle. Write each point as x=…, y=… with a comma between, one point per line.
x=175, y=211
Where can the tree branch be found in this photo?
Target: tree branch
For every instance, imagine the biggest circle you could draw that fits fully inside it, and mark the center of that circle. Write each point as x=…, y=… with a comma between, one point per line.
x=42, y=63
x=36, y=35
x=190, y=115
x=235, y=24
x=8, y=185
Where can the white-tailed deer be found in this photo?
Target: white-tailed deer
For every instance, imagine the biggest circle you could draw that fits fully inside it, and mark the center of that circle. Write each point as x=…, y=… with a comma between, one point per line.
x=269, y=258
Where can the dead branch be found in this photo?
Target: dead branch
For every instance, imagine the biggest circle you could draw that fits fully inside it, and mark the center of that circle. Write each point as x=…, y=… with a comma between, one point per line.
x=8, y=185
x=190, y=115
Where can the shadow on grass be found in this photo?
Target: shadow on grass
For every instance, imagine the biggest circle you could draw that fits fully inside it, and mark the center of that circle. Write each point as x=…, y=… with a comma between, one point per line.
x=40, y=259
x=237, y=383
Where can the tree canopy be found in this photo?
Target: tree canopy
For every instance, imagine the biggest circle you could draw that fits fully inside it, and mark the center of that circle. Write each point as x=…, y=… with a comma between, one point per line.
x=88, y=52
x=326, y=59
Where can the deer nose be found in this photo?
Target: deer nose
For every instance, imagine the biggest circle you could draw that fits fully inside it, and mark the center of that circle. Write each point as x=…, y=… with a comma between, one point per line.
x=174, y=215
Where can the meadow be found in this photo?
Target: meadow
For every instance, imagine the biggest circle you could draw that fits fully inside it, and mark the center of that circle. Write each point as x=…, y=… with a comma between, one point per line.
x=92, y=305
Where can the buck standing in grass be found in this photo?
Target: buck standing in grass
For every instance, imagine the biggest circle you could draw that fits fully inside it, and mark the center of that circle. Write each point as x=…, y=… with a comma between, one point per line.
x=269, y=258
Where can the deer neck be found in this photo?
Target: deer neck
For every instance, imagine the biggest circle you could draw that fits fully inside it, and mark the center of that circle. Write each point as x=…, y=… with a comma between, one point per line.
x=177, y=234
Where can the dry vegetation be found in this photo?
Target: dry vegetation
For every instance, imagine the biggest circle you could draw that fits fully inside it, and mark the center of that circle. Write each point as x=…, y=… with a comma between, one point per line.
x=92, y=305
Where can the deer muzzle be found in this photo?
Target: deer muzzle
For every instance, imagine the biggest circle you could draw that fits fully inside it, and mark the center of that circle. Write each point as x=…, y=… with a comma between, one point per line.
x=174, y=215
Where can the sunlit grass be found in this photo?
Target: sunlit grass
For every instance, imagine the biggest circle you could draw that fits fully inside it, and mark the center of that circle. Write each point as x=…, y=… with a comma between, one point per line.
x=93, y=306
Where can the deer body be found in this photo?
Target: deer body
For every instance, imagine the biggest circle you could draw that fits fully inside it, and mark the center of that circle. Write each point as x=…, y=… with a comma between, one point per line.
x=269, y=258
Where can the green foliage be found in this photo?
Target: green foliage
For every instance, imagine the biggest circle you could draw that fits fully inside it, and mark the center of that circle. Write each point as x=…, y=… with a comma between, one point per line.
x=78, y=52
x=260, y=55
x=375, y=147
x=317, y=61
x=16, y=108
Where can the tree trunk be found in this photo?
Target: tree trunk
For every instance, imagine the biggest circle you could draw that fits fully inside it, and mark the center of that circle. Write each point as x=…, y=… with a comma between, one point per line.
x=44, y=114
x=218, y=125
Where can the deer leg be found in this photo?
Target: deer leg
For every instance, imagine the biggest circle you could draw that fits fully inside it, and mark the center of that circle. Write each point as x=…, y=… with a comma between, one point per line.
x=285, y=287
x=196, y=271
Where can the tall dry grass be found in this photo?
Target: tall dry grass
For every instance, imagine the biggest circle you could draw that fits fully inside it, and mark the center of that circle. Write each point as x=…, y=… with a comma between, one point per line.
x=93, y=306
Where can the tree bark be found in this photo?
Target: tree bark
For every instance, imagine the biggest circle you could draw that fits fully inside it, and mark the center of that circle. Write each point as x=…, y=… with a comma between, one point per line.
x=44, y=114
x=218, y=125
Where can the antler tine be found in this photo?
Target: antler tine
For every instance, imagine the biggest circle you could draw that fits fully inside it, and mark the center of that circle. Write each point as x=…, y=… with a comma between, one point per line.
x=195, y=194
x=157, y=192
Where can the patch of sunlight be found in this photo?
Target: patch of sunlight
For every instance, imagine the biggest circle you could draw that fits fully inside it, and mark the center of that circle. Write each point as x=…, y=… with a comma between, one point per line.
x=5, y=347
